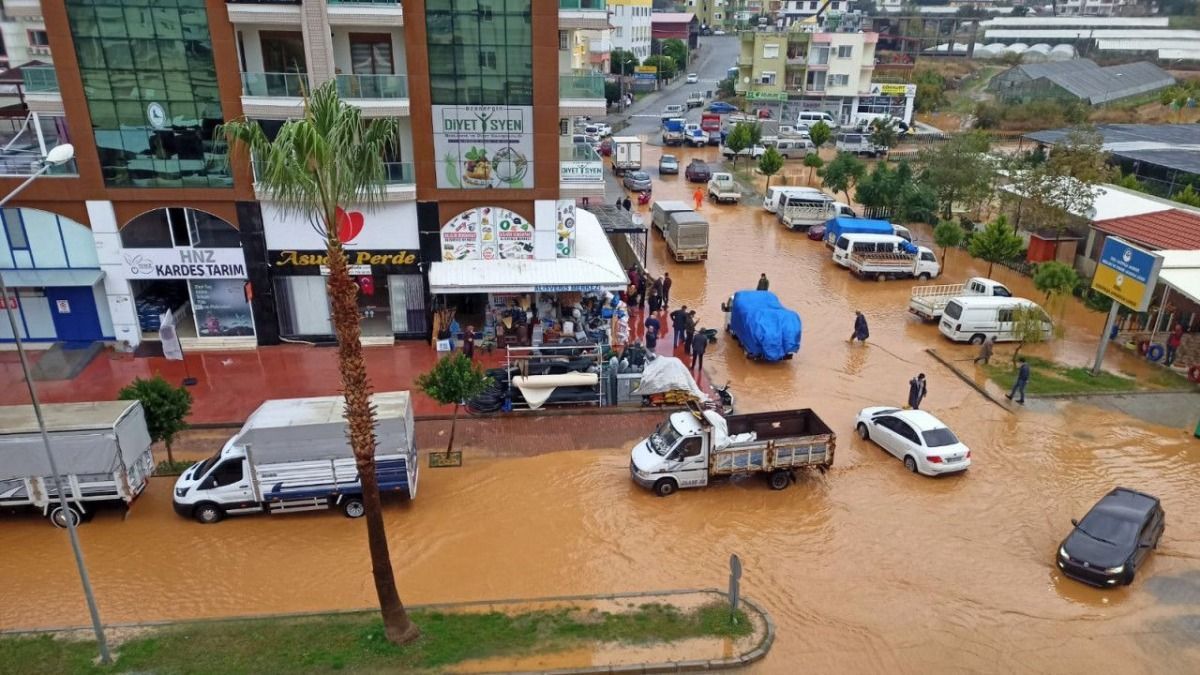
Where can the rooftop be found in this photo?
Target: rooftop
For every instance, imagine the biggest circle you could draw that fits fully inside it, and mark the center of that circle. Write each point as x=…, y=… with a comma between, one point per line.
x=1088, y=81
x=671, y=17
x=1169, y=229
x=1175, y=146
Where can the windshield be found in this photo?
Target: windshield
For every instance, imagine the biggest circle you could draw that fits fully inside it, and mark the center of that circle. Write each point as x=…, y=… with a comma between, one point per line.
x=1109, y=528
x=206, y=465
x=938, y=438
x=664, y=438
x=638, y=175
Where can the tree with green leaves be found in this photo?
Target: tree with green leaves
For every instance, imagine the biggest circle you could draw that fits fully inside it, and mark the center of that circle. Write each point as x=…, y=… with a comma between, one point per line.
x=878, y=189
x=770, y=164
x=1187, y=195
x=726, y=88
x=842, y=173
x=675, y=49
x=1029, y=324
x=320, y=165
x=1058, y=194
x=165, y=405
x=814, y=162
x=665, y=64
x=623, y=62
x=883, y=133
x=819, y=134
x=1130, y=182
x=1056, y=281
x=997, y=242
x=454, y=379
x=958, y=171
x=931, y=90
x=738, y=139
x=947, y=234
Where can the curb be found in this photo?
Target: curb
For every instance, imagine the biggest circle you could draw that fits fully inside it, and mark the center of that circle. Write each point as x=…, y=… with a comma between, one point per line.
x=441, y=417
x=1155, y=392
x=757, y=653
x=963, y=376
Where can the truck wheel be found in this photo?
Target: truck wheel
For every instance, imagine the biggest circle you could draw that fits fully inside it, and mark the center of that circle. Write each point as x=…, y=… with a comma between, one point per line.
x=665, y=487
x=881, y=277
x=977, y=339
x=863, y=433
x=923, y=276
x=780, y=479
x=353, y=507
x=59, y=518
x=208, y=513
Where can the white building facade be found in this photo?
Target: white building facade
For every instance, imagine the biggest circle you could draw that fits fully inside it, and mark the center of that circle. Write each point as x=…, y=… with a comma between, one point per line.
x=630, y=21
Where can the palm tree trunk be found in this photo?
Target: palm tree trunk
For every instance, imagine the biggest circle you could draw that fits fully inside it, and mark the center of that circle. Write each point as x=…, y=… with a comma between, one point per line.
x=453, y=424
x=360, y=420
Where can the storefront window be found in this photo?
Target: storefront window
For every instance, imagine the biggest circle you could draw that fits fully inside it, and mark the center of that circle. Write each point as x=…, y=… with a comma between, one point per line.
x=151, y=87
x=303, y=306
x=883, y=105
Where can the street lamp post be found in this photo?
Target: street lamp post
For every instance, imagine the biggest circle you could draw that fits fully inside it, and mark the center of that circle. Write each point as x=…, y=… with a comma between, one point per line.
x=59, y=155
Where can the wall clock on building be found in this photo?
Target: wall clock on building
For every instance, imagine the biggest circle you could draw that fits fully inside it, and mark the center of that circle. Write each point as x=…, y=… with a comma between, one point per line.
x=157, y=115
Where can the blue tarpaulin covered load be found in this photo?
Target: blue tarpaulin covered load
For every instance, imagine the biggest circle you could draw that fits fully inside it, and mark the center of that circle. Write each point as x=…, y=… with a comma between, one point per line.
x=766, y=329
x=836, y=227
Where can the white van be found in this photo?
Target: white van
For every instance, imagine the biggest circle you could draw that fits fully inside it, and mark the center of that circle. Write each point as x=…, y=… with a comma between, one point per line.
x=864, y=243
x=777, y=194
x=807, y=118
x=794, y=148
x=975, y=318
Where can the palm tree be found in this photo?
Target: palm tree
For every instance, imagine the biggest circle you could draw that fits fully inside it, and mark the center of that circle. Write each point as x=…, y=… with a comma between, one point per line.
x=328, y=160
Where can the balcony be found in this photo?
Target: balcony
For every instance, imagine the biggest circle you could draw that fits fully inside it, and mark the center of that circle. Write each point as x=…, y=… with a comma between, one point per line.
x=583, y=14
x=580, y=172
x=365, y=12
x=264, y=12
x=400, y=179
x=273, y=95
x=39, y=79
x=23, y=9
x=377, y=95
x=20, y=164
x=581, y=94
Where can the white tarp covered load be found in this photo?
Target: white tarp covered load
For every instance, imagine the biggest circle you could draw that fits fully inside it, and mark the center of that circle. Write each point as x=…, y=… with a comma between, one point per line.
x=537, y=388
x=667, y=373
x=87, y=438
x=300, y=429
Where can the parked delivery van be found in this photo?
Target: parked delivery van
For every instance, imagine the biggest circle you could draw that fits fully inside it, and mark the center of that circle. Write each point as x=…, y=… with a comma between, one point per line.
x=975, y=318
x=848, y=244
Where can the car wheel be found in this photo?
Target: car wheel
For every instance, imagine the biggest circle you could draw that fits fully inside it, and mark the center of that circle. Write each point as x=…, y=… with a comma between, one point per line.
x=977, y=339
x=910, y=463
x=665, y=487
x=208, y=513
x=862, y=432
x=780, y=479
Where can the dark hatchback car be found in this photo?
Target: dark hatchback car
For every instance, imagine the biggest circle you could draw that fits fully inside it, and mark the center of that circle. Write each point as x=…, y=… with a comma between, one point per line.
x=698, y=172
x=1106, y=548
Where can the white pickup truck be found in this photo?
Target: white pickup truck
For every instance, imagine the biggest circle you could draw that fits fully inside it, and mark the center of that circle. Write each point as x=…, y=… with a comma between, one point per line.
x=688, y=450
x=722, y=188
x=753, y=152
x=928, y=302
x=921, y=265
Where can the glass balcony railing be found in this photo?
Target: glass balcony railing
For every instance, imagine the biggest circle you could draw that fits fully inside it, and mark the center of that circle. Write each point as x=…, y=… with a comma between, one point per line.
x=582, y=4
x=581, y=86
x=363, y=2
x=274, y=84
x=38, y=79
x=27, y=164
x=372, y=86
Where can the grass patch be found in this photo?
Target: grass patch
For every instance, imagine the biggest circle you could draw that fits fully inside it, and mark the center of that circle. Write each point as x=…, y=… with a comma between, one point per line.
x=1048, y=377
x=168, y=468
x=355, y=642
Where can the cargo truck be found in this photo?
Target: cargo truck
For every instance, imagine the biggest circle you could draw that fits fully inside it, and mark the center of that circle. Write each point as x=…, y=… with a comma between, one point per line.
x=687, y=235
x=690, y=449
x=672, y=131
x=627, y=154
x=802, y=210
x=101, y=450
x=836, y=227
x=722, y=188
x=928, y=302
x=294, y=455
x=711, y=124
x=919, y=263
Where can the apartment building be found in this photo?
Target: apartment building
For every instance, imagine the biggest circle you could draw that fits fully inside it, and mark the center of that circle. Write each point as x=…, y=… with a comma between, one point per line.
x=712, y=14
x=630, y=21
x=830, y=71
x=153, y=216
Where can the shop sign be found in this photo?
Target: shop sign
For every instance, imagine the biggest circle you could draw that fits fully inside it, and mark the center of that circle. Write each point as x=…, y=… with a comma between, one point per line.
x=646, y=69
x=766, y=96
x=893, y=90
x=483, y=146
x=1127, y=274
x=487, y=233
x=564, y=227
x=380, y=226
x=569, y=288
x=581, y=172
x=185, y=263
x=362, y=263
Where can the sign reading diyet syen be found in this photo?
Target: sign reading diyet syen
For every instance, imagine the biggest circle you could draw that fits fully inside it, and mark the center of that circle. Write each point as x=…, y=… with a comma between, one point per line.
x=1127, y=274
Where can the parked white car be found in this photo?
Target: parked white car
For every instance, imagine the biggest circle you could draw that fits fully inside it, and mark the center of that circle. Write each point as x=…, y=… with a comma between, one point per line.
x=693, y=78
x=917, y=438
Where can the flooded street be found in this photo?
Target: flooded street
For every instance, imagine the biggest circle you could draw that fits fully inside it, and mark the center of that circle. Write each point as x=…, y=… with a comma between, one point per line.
x=865, y=569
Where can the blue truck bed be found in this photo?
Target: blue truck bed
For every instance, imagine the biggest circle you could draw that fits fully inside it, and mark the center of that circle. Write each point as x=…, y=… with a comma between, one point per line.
x=766, y=329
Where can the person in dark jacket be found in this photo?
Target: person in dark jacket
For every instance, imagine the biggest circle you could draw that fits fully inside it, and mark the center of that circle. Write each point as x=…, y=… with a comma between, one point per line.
x=468, y=348
x=699, y=344
x=860, y=328
x=1022, y=381
x=689, y=331
x=763, y=282
x=678, y=325
x=641, y=291
x=666, y=289
x=655, y=300
x=652, y=326
x=627, y=204
x=917, y=391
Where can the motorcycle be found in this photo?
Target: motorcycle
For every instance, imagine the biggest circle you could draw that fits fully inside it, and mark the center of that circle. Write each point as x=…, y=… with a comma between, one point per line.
x=724, y=402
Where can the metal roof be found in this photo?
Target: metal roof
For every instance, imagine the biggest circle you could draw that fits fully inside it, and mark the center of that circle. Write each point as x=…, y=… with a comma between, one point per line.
x=1072, y=21
x=1181, y=271
x=1175, y=146
x=1043, y=35
x=1089, y=82
x=59, y=417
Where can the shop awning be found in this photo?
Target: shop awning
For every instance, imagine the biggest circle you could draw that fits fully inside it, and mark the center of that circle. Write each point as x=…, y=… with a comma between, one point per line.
x=50, y=278
x=594, y=268
x=1181, y=271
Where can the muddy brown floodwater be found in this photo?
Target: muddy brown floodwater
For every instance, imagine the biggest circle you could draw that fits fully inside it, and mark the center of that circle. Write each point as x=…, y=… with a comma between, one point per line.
x=865, y=569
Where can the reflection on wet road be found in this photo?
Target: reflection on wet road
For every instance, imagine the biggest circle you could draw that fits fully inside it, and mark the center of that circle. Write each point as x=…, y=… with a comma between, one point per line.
x=865, y=569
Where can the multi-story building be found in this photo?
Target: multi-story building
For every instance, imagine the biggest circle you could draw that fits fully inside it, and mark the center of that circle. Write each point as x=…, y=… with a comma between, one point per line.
x=154, y=215
x=712, y=14
x=630, y=26
x=23, y=36
x=831, y=71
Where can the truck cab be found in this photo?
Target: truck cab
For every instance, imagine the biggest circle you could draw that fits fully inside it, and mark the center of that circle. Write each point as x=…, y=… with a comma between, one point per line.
x=218, y=485
x=676, y=451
